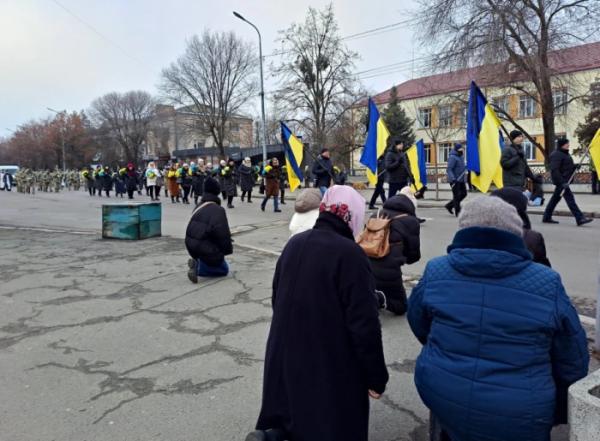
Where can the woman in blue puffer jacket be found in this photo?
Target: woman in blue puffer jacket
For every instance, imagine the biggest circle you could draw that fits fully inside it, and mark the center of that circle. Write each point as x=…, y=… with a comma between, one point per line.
x=502, y=342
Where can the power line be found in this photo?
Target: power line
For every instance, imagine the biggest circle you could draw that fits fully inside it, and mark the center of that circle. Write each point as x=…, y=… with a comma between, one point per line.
x=98, y=33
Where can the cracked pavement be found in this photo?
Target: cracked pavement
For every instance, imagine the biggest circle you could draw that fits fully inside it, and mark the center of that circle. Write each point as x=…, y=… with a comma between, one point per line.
x=108, y=340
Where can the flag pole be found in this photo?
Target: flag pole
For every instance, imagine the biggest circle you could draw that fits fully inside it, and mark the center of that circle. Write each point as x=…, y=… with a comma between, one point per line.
x=572, y=177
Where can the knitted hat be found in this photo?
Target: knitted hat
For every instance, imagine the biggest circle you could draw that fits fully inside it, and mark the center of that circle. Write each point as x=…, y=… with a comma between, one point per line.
x=458, y=146
x=308, y=200
x=407, y=191
x=211, y=186
x=515, y=134
x=562, y=142
x=517, y=200
x=490, y=212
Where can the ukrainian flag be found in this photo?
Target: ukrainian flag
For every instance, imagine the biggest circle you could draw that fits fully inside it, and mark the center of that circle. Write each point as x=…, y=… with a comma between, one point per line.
x=376, y=143
x=484, y=142
x=294, y=152
x=418, y=165
x=595, y=150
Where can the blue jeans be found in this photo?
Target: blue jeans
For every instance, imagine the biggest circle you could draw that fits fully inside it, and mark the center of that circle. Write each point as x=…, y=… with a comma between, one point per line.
x=323, y=190
x=275, y=202
x=204, y=270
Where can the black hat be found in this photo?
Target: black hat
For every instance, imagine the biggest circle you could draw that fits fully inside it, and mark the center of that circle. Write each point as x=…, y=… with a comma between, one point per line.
x=562, y=142
x=517, y=200
x=457, y=146
x=398, y=141
x=211, y=186
x=515, y=134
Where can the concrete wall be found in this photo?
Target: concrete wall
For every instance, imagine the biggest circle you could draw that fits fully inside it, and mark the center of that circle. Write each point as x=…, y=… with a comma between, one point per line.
x=584, y=409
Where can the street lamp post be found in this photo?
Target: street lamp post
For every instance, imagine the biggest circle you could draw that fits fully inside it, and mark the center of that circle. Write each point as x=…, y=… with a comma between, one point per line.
x=262, y=87
x=62, y=140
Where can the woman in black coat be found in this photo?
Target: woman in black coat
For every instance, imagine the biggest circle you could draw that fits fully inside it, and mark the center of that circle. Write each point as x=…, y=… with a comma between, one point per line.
x=246, y=175
x=198, y=176
x=107, y=181
x=405, y=248
x=324, y=353
x=228, y=185
x=131, y=180
x=533, y=240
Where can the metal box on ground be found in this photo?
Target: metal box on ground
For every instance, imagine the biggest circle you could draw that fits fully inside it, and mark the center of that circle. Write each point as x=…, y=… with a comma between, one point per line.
x=132, y=221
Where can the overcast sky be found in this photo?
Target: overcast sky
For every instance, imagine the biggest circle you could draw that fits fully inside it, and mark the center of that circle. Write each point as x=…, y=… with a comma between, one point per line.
x=51, y=59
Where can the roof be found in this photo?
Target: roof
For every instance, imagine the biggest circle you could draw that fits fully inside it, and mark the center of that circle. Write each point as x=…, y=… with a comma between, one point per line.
x=563, y=61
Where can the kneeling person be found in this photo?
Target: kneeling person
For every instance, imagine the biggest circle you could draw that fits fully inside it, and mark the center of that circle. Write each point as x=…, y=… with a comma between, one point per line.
x=208, y=238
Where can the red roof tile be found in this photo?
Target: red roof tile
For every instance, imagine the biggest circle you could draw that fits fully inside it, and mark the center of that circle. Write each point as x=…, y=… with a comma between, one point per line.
x=568, y=60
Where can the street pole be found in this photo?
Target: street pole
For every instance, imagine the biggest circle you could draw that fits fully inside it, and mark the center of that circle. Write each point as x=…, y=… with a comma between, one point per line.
x=262, y=88
x=62, y=140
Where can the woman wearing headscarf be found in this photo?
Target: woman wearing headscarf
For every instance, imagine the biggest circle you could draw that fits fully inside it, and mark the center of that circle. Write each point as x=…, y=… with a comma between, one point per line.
x=185, y=180
x=324, y=354
x=228, y=178
x=198, y=178
x=131, y=180
x=246, y=174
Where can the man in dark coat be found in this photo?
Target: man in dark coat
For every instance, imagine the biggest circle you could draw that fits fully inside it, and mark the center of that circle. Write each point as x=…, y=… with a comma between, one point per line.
x=246, y=174
x=398, y=168
x=533, y=240
x=379, y=190
x=456, y=172
x=502, y=342
x=324, y=352
x=562, y=168
x=208, y=238
x=322, y=171
x=513, y=162
x=405, y=248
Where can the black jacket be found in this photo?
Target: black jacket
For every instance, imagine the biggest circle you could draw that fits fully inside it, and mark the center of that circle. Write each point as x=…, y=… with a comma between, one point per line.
x=246, y=175
x=514, y=166
x=130, y=180
x=381, y=173
x=207, y=236
x=324, y=350
x=398, y=167
x=198, y=178
x=562, y=166
x=322, y=171
x=405, y=245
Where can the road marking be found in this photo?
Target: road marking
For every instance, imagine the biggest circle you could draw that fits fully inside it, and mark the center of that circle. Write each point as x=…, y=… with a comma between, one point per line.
x=586, y=320
x=47, y=230
x=260, y=250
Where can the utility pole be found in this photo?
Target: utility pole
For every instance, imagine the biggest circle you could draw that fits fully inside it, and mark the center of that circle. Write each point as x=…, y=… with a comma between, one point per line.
x=62, y=139
x=262, y=87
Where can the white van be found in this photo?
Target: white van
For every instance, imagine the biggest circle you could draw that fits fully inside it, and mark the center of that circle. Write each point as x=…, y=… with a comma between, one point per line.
x=7, y=169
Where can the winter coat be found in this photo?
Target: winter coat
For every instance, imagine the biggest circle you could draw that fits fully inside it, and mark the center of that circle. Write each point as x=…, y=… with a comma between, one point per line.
x=405, y=245
x=324, y=350
x=562, y=166
x=246, y=175
x=514, y=166
x=185, y=177
x=198, y=177
x=303, y=221
x=456, y=169
x=207, y=236
x=152, y=175
x=120, y=187
x=537, y=246
x=172, y=184
x=272, y=181
x=227, y=182
x=107, y=181
x=398, y=167
x=322, y=171
x=130, y=178
x=502, y=342
x=381, y=172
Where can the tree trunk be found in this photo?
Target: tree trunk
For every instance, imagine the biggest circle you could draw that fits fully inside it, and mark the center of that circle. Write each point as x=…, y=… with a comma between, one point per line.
x=548, y=124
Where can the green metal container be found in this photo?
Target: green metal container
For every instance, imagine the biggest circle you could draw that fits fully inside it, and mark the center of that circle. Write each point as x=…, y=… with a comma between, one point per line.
x=132, y=221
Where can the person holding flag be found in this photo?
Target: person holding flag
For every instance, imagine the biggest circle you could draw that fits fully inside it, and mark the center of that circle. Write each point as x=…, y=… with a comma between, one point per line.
x=294, y=154
x=514, y=165
x=562, y=170
x=375, y=146
x=398, y=168
x=456, y=173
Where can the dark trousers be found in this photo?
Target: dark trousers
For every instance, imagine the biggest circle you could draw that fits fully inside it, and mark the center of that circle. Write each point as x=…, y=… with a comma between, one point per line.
x=395, y=188
x=595, y=183
x=282, y=192
x=379, y=192
x=249, y=193
x=229, y=201
x=130, y=192
x=459, y=192
x=186, y=193
x=92, y=191
x=569, y=199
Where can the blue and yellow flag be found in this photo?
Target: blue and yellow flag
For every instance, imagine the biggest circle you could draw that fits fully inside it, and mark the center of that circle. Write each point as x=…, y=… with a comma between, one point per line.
x=418, y=165
x=294, y=152
x=595, y=151
x=484, y=142
x=376, y=143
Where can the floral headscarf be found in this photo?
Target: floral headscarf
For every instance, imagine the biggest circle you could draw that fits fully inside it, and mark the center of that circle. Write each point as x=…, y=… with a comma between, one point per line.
x=347, y=204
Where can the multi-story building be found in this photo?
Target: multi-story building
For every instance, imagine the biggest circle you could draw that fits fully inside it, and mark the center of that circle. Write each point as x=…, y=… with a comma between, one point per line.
x=181, y=133
x=438, y=103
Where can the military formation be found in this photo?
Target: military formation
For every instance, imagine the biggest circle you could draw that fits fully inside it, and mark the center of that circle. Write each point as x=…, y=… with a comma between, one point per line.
x=47, y=181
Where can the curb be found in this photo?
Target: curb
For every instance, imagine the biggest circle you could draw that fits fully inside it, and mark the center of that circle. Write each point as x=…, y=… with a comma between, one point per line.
x=535, y=211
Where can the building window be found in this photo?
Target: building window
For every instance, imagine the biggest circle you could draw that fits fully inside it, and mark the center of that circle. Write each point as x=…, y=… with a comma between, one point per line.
x=425, y=118
x=444, y=151
x=445, y=116
x=234, y=127
x=560, y=102
x=462, y=116
x=428, y=153
x=527, y=107
x=529, y=149
x=500, y=103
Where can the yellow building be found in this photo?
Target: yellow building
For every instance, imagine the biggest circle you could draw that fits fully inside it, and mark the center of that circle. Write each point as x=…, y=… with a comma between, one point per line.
x=438, y=103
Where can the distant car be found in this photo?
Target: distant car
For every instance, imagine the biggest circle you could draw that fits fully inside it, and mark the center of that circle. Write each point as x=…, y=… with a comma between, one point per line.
x=8, y=169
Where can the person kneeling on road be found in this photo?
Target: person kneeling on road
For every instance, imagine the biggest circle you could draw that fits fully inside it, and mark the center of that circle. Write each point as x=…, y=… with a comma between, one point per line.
x=208, y=238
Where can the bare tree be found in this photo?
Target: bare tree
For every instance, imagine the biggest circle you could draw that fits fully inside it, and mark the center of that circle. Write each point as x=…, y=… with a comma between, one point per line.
x=315, y=78
x=215, y=77
x=127, y=116
x=520, y=34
